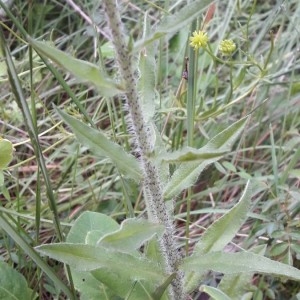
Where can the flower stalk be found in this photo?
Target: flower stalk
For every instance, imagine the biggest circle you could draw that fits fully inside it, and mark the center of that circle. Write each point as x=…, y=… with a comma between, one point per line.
x=156, y=207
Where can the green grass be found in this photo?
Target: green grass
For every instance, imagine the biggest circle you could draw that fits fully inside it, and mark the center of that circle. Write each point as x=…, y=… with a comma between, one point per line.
x=43, y=194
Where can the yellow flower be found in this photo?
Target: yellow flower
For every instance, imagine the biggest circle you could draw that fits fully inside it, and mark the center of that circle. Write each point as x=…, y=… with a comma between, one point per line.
x=199, y=39
x=227, y=47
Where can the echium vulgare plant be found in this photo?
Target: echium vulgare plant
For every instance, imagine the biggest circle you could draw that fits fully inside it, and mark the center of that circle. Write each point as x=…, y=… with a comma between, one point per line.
x=139, y=259
x=145, y=144
x=144, y=139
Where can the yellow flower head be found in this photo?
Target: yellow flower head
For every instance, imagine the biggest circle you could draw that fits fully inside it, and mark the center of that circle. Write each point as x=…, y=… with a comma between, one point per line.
x=227, y=47
x=199, y=39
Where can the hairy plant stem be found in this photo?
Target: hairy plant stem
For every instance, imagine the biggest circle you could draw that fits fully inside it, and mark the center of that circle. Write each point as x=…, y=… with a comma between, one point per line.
x=156, y=207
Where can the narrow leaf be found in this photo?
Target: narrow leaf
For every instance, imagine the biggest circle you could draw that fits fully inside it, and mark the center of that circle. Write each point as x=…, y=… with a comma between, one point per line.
x=222, y=231
x=241, y=262
x=83, y=70
x=147, y=81
x=188, y=154
x=226, y=138
x=236, y=285
x=89, y=258
x=175, y=22
x=188, y=172
x=185, y=176
x=158, y=294
x=100, y=145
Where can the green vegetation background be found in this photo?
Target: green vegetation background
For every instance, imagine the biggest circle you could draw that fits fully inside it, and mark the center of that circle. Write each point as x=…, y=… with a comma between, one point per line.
x=265, y=32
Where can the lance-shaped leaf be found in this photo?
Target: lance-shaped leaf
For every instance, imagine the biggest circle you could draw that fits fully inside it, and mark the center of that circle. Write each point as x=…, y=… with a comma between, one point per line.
x=219, y=234
x=235, y=285
x=147, y=80
x=187, y=173
x=175, y=22
x=241, y=262
x=100, y=145
x=85, y=71
x=189, y=154
x=223, y=230
x=117, y=270
x=88, y=258
x=185, y=176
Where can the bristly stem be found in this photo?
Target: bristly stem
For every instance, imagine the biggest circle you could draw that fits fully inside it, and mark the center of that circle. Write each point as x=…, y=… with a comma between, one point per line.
x=156, y=207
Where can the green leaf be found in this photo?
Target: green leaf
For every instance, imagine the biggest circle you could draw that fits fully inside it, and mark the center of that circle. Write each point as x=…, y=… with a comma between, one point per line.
x=153, y=252
x=88, y=228
x=89, y=221
x=23, y=244
x=241, y=262
x=187, y=173
x=226, y=138
x=147, y=81
x=160, y=291
x=239, y=78
x=188, y=154
x=90, y=287
x=229, y=166
x=100, y=145
x=89, y=258
x=237, y=285
x=6, y=153
x=279, y=249
x=107, y=50
x=132, y=234
x=83, y=70
x=107, y=277
x=13, y=285
x=1, y=180
x=220, y=233
x=185, y=176
x=211, y=112
x=214, y=293
x=125, y=287
x=175, y=22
